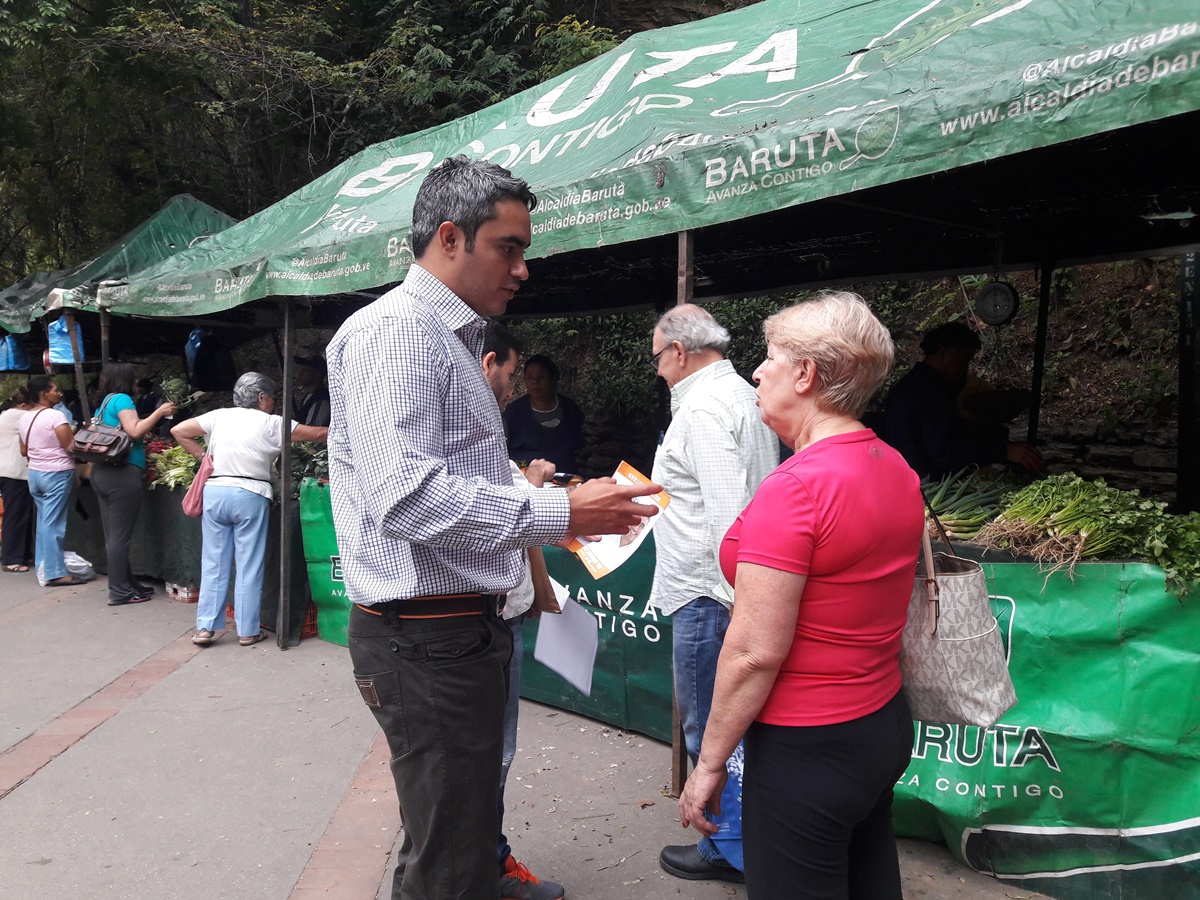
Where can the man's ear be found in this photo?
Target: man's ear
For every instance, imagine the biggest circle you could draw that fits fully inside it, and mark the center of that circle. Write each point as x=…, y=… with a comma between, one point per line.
x=489, y=361
x=449, y=238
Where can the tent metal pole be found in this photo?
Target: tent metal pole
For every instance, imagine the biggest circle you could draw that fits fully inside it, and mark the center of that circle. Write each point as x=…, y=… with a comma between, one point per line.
x=1039, y=351
x=283, y=618
x=77, y=355
x=685, y=282
x=105, y=335
x=1187, y=462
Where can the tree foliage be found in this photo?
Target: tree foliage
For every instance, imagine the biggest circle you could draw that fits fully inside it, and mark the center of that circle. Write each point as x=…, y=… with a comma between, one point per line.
x=238, y=102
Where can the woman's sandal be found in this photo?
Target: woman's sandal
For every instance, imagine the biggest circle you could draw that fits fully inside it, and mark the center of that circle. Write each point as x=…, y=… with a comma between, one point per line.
x=16, y=568
x=204, y=636
x=253, y=639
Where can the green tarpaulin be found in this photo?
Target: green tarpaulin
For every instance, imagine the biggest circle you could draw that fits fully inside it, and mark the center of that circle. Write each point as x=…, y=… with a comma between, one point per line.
x=182, y=223
x=760, y=109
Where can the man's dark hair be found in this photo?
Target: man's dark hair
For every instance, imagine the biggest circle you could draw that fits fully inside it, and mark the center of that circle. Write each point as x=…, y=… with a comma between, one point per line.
x=463, y=191
x=499, y=340
x=950, y=336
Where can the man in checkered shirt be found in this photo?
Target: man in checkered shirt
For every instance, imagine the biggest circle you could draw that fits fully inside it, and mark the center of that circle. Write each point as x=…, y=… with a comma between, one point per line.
x=430, y=528
x=712, y=459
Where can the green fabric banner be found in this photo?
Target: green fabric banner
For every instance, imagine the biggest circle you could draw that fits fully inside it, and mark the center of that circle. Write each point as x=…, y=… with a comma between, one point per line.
x=763, y=108
x=1089, y=787
x=631, y=684
x=324, y=561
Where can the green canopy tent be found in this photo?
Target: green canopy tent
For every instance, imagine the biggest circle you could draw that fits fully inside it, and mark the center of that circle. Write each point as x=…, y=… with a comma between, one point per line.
x=800, y=143
x=781, y=145
x=182, y=222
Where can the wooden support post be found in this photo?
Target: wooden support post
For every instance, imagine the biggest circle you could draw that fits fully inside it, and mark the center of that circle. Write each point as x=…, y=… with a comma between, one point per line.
x=684, y=293
x=77, y=355
x=1187, y=462
x=685, y=281
x=1039, y=351
x=105, y=334
x=679, y=755
x=283, y=618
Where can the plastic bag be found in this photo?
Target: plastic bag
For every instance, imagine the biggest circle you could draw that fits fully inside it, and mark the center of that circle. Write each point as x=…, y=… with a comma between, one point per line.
x=12, y=355
x=76, y=565
x=60, y=353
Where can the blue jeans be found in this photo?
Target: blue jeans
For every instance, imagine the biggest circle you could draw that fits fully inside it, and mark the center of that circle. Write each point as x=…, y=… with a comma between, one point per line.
x=51, y=491
x=698, y=632
x=234, y=527
x=511, y=708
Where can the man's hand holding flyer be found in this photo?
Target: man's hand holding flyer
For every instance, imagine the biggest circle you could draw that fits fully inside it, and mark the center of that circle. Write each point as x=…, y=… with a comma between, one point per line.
x=609, y=551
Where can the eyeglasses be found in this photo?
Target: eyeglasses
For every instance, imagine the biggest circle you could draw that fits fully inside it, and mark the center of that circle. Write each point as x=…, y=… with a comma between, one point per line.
x=654, y=358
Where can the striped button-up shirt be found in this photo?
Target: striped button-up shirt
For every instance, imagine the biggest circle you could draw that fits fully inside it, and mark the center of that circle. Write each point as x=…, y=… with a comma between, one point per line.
x=423, y=501
x=712, y=459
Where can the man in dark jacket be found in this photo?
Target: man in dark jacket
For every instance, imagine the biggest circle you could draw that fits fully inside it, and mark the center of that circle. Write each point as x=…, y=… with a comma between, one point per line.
x=922, y=419
x=310, y=378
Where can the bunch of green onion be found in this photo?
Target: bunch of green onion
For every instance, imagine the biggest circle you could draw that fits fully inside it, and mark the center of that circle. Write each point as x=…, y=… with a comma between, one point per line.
x=965, y=501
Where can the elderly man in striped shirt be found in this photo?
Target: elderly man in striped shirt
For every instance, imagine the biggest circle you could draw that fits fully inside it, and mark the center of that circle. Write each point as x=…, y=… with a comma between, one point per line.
x=430, y=528
x=712, y=458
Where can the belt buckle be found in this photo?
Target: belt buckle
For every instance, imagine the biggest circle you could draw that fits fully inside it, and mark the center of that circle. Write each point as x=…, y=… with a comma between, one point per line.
x=501, y=600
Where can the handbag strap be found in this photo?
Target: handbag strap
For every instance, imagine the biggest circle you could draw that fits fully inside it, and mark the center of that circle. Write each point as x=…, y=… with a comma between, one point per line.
x=98, y=419
x=938, y=523
x=933, y=604
x=24, y=444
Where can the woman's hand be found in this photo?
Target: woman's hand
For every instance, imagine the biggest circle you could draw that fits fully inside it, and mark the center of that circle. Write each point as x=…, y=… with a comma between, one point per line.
x=702, y=791
x=166, y=410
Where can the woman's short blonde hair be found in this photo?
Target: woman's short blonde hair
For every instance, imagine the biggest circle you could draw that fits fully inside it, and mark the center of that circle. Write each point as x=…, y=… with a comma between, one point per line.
x=852, y=350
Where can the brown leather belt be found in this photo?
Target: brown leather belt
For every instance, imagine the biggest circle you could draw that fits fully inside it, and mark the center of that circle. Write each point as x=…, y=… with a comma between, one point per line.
x=439, y=606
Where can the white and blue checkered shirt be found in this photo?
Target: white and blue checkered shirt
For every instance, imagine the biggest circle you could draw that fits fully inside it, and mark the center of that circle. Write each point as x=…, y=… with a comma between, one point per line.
x=423, y=500
x=715, y=454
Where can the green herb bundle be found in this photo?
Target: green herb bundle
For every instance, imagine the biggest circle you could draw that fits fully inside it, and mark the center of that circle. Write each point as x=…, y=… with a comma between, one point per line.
x=965, y=501
x=1063, y=519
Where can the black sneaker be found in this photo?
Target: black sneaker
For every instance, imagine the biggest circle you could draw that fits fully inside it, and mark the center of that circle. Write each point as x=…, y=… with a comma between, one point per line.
x=518, y=883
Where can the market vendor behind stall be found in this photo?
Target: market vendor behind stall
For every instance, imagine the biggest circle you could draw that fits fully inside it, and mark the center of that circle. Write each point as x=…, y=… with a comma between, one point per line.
x=923, y=419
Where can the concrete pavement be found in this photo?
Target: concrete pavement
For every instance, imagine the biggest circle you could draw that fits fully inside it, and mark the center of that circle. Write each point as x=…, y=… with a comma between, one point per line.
x=136, y=765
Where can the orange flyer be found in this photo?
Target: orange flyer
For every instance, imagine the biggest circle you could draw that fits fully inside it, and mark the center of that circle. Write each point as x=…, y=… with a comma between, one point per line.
x=609, y=551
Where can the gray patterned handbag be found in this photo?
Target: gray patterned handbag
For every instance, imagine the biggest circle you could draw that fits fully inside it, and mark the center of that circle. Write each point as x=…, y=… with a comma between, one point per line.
x=952, y=659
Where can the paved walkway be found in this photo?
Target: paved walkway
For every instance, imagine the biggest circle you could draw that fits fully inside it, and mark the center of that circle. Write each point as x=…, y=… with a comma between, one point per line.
x=136, y=765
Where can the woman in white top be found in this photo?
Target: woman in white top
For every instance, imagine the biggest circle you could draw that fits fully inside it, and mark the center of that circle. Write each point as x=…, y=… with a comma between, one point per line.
x=244, y=441
x=16, y=541
x=46, y=437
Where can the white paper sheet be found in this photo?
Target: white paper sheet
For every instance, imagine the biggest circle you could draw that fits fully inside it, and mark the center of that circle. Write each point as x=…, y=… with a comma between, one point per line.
x=567, y=643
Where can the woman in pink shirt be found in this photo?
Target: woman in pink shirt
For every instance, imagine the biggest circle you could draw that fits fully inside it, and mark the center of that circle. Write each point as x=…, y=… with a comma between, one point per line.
x=822, y=562
x=46, y=439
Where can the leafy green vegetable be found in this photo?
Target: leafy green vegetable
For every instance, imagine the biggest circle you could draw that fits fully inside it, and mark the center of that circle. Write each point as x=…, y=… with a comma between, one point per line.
x=175, y=467
x=1063, y=519
x=967, y=500
x=177, y=391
